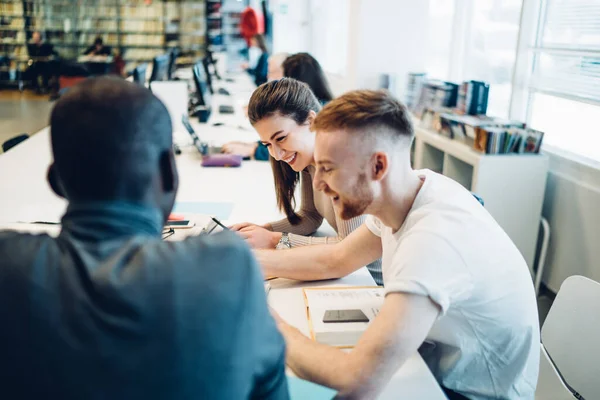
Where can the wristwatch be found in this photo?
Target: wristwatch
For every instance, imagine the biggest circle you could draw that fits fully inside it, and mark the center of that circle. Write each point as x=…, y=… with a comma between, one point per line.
x=284, y=242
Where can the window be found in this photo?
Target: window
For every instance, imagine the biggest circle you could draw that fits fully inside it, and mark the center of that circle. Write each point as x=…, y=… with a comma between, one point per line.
x=475, y=40
x=331, y=16
x=567, y=124
x=565, y=76
x=492, y=48
x=567, y=55
x=439, y=37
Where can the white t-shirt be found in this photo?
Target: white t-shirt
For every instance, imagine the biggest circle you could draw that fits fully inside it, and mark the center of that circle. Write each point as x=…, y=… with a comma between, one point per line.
x=452, y=250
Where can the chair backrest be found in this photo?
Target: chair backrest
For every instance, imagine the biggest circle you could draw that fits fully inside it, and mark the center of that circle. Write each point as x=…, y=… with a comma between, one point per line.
x=571, y=335
x=550, y=385
x=12, y=142
x=139, y=74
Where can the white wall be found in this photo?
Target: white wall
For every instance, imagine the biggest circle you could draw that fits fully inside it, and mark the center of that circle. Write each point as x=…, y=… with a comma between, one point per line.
x=572, y=207
x=290, y=26
x=384, y=36
x=392, y=39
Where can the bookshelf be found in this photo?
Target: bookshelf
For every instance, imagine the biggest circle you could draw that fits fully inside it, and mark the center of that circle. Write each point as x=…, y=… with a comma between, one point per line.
x=141, y=29
x=214, y=25
x=13, y=46
x=511, y=185
x=233, y=41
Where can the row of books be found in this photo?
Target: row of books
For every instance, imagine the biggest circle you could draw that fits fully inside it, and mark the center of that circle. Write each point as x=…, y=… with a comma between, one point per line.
x=12, y=37
x=88, y=39
x=92, y=23
x=14, y=23
x=469, y=97
x=498, y=140
x=489, y=135
x=142, y=12
x=142, y=40
x=11, y=8
x=142, y=26
x=146, y=54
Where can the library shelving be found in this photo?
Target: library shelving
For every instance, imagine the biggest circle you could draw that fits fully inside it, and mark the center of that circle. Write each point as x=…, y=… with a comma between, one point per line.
x=139, y=29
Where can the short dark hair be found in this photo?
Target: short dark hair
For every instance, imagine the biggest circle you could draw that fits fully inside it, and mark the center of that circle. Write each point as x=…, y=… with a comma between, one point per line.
x=293, y=99
x=305, y=68
x=107, y=137
x=98, y=40
x=360, y=109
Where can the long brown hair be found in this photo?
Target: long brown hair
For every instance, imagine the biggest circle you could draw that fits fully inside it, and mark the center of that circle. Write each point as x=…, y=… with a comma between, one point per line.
x=261, y=42
x=292, y=99
x=304, y=67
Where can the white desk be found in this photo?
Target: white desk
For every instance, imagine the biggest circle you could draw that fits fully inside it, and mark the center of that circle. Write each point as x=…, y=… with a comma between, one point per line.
x=25, y=196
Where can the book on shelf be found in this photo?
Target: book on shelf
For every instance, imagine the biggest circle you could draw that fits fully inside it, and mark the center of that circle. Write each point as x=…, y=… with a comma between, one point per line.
x=368, y=299
x=489, y=135
x=473, y=97
x=414, y=86
x=503, y=140
x=436, y=94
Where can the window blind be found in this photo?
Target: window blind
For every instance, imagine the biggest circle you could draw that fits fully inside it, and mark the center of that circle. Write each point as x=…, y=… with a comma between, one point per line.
x=566, y=59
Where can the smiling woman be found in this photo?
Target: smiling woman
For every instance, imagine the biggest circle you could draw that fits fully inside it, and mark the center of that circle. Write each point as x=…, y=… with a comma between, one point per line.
x=282, y=113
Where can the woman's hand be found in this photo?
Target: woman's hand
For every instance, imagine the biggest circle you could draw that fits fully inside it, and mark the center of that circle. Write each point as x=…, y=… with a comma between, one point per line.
x=256, y=236
x=245, y=150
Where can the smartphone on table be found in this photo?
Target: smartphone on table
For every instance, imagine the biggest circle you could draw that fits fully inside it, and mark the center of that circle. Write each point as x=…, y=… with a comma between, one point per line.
x=179, y=224
x=345, y=316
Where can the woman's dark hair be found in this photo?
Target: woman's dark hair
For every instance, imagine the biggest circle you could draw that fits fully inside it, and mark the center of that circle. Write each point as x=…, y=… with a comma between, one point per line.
x=262, y=43
x=292, y=99
x=304, y=67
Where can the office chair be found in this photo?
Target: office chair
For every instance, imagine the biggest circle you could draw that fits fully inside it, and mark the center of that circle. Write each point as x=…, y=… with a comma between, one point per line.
x=10, y=143
x=570, y=345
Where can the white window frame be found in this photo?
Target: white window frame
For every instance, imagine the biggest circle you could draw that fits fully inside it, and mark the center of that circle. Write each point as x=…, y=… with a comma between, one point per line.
x=533, y=13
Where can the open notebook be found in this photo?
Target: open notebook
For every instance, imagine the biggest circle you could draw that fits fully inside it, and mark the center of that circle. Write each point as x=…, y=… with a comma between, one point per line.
x=368, y=299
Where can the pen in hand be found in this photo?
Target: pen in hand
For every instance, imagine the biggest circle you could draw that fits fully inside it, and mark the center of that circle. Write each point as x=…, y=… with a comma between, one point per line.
x=219, y=223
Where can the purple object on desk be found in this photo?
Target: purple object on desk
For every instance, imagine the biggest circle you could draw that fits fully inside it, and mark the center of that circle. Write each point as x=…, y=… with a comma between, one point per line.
x=222, y=160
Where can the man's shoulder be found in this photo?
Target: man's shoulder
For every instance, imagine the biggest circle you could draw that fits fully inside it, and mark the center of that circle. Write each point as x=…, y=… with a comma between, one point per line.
x=21, y=251
x=13, y=241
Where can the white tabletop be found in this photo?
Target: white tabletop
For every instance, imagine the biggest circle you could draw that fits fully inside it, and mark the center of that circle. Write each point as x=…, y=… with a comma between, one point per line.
x=26, y=196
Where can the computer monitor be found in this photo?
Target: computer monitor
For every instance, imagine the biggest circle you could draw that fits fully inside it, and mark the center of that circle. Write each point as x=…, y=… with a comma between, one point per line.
x=202, y=89
x=206, y=65
x=172, y=63
x=139, y=74
x=211, y=60
x=160, y=68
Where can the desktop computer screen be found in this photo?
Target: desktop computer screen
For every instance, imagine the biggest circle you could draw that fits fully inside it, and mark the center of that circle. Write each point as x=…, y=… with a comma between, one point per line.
x=160, y=68
x=206, y=65
x=139, y=74
x=202, y=90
